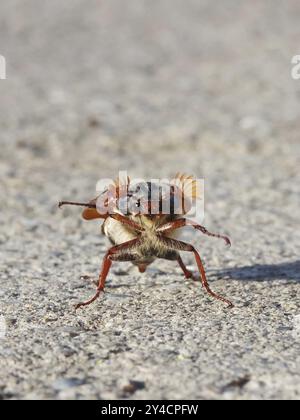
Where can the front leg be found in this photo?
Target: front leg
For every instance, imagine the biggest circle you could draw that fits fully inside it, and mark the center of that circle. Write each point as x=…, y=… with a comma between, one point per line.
x=117, y=253
x=128, y=222
x=180, y=223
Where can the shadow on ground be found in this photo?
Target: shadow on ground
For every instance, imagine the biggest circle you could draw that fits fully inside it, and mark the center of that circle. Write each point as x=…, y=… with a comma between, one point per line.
x=264, y=272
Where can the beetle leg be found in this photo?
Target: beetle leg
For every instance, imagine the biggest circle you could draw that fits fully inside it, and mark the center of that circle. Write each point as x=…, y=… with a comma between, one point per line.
x=188, y=274
x=104, y=272
x=117, y=253
x=121, y=257
x=175, y=256
x=180, y=223
x=125, y=221
x=182, y=246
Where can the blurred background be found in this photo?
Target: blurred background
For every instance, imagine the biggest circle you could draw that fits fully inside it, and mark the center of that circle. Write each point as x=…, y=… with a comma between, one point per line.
x=152, y=88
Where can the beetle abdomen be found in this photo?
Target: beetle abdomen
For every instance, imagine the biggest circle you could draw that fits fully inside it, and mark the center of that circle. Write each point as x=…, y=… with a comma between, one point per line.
x=117, y=232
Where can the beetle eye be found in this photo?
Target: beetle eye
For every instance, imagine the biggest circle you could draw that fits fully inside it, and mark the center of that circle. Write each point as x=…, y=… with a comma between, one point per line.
x=138, y=204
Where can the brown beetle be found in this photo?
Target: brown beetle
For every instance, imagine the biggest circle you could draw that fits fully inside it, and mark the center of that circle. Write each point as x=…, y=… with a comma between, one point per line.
x=141, y=221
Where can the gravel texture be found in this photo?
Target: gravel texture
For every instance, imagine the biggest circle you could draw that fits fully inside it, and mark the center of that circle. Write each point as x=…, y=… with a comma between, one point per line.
x=152, y=88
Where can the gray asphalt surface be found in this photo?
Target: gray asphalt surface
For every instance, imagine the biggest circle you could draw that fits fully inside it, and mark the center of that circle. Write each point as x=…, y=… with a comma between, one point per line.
x=152, y=88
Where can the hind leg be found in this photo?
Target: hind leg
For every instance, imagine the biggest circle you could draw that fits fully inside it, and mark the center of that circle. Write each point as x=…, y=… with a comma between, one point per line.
x=173, y=244
x=124, y=252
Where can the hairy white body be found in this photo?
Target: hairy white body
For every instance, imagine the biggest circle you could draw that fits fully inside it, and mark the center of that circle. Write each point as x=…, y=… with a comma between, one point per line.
x=151, y=246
